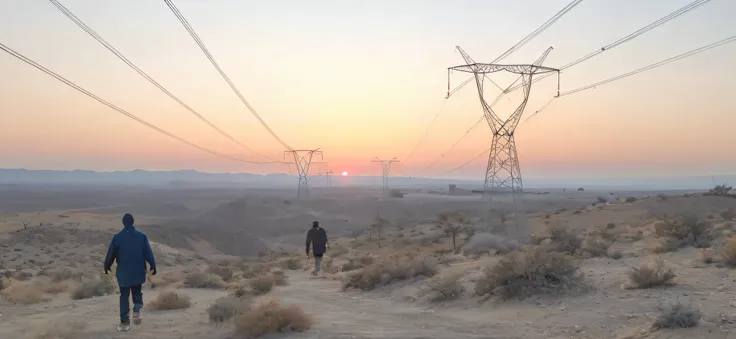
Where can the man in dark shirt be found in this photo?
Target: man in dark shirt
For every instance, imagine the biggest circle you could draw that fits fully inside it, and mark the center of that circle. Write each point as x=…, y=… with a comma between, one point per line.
x=317, y=238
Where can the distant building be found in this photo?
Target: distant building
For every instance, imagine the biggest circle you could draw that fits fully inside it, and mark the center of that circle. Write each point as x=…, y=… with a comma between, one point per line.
x=452, y=189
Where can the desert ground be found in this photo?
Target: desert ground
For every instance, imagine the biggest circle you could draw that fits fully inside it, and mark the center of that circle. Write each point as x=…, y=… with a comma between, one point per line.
x=231, y=263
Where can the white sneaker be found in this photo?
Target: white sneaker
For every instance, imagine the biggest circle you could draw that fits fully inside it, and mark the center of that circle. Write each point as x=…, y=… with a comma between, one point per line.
x=137, y=318
x=123, y=327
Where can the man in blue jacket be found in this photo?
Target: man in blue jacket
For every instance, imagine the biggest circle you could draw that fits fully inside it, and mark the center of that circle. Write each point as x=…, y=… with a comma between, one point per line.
x=132, y=251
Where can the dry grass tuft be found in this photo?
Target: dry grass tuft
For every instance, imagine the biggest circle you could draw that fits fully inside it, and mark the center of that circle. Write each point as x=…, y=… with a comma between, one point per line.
x=24, y=293
x=204, y=280
x=651, y=275
x=262, y=284
x=291, y=264
x=279, y=278
x=664, y=245
x=389, y=270
x=357, y=263
x=169, y=300
x=94, y=288
x=226, y=273
x=225, y=308
x=678, y=316
x=563, y=240
x=686, y=228
x=728, y=252
x=443, y=287
x=66, y=329
x=57, y=287
x=596, y=246
x=728, y=214
x=531, y=270
x=705, y=255
x=58, y=275
x=271, y=317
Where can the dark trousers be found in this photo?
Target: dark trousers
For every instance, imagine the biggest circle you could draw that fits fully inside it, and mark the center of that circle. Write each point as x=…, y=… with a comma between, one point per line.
x=125, y=302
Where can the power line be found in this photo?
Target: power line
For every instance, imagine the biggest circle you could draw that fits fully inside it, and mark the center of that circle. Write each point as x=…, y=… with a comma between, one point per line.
x=209, y=56
x=117, y=53
x=71, y=84
x=640, y=70
x=465, y=163
x=539, y=30
x=426, y=130
x=436, y=160
x=657, y=23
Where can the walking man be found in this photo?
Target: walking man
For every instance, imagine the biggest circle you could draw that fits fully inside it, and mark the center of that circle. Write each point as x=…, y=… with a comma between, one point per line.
x=132, y=251
x=317, y=238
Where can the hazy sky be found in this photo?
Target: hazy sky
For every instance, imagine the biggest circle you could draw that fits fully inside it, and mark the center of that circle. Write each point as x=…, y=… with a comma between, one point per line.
x=361, y=79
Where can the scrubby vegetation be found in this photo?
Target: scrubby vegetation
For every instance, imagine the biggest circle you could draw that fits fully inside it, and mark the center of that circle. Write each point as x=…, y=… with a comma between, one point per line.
x=94, y=288
x=389, y=270
x=169, y=300
x=678, y=316
x=204, y=280
x=61, y=329
x=650, y=275
x=271, y=317
x=262, y=284
x=529, y=271
x=443, y=287
x=227, y=307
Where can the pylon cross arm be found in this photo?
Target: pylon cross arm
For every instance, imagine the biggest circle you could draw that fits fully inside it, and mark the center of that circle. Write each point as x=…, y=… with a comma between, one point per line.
x=480, y=68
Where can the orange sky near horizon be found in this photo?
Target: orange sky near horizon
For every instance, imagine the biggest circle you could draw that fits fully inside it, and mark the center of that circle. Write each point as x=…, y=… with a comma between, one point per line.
x=364, y=90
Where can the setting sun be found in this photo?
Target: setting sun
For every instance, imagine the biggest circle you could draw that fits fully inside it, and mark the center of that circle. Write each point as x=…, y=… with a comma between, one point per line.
x=345, y=174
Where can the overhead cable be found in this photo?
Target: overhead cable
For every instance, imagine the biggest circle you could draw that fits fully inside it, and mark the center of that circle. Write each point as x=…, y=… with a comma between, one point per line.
x=71, y=84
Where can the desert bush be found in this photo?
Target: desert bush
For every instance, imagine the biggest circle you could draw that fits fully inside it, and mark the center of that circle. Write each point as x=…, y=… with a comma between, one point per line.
x=61, y=329
x=443, y=287
x=601, y=200
x=226, y=273
x=24, y=293
x=58, y=275
x=529, y=271
x=271, y=317
x=651, y=275
x=630, y=199
x=169, y=300
x=688, y=228
x=665, y=245
x=661, y=196
x=728, y=214
x=225, y=308
x=563, y=240
x=291, y=264
x=678, y=316
x=611, y=226
x=94, y=288
x=262, y=284
x=394, y=193
x=280, y=279
x=254, y=270
x=357, y=263
x=720, y=190
x=728, y=251
x=484, y=242
x=57, y=287
x=203, y=280
x=389, y=270
x=615, y=255
x=596, y=246
x=705, y=255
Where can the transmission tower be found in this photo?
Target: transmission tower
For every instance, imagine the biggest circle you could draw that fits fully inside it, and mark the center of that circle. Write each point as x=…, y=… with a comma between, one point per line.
x=503, y=170
x=302, y=161
x=386, y=167
x=328, y=175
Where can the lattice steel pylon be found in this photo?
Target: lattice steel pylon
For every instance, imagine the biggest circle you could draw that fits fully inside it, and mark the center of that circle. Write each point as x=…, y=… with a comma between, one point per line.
x=386, y=167
x=302, y=161
x=503, y=170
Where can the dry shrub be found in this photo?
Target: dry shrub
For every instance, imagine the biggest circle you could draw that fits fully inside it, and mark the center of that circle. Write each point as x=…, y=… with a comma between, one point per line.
x=678, y=316
x=357, y=263
x=169, y=300
x=337, y=250
x=57, y=287
x=531, y=270
x=24, y=293
x=728, y=252
x=203, y=280
x=483, y=243
x=254, y=270
x=226, y=273
x=262, y=284
x=596, y=246
x=705, y=255
x=225, y=308
x=291, y=264
x=58, y=275
x=664, y=245
x=271, y=317
x=389, y=270
x=563, y=240
x=279, y=278
x=94, y=288
x=61, y=329
x=615, y=255
x=687, y=228
x=728, y=214
x=443, y=287
x=630, y=199
x=651, y=275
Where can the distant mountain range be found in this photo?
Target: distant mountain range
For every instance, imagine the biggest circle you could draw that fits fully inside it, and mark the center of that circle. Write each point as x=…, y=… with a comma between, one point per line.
x=184, y=178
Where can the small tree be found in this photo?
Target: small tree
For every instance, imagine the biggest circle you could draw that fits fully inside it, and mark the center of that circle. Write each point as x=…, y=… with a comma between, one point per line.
x=453, y=222
x=378, y=226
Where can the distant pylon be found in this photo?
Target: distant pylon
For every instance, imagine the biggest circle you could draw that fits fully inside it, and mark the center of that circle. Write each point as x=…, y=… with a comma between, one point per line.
x=302, y=161
x=503, y=170
x=386, y=167
x=328, y=175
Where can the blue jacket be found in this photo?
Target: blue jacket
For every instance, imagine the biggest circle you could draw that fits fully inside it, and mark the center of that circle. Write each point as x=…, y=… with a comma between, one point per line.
x=132, y=251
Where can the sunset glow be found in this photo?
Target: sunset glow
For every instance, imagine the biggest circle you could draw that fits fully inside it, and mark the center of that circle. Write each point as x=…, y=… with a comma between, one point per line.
x=344, y=174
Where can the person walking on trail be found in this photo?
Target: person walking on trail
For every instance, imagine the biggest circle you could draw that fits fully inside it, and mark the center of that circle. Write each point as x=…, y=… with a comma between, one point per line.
x=317, y=238
x=132, y=251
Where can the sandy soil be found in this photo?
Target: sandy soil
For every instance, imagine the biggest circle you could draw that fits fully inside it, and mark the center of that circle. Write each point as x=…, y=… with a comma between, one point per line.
x=191, y=230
